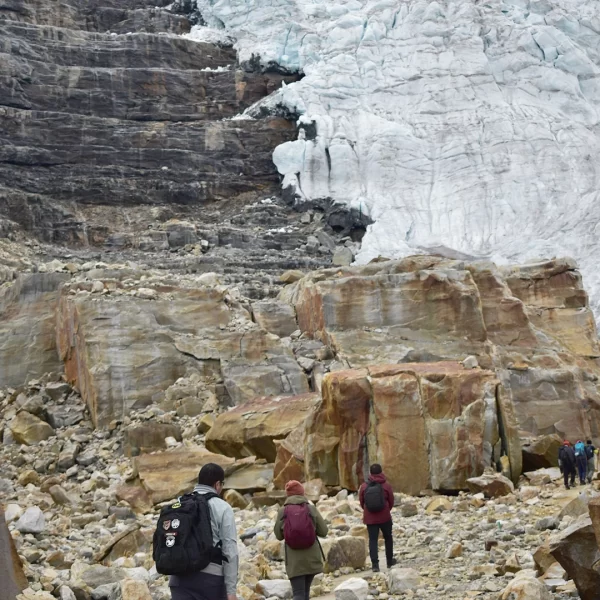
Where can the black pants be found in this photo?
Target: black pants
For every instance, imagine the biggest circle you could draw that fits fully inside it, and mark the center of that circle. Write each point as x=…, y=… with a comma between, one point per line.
x=301, y=586
x=386, y=529
x=582, y=468
x=569, y=473
x=198, y=586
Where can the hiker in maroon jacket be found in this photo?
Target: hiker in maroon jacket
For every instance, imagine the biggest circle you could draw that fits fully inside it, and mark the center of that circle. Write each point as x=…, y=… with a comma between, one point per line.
x=376, y=498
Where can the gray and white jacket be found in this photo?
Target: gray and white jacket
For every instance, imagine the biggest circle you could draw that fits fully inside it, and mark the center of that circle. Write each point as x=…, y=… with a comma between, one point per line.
x=224, y=531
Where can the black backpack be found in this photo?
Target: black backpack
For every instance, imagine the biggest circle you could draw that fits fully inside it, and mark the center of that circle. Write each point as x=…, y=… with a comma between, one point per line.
x=589, y=452
x=183, y=540
x=374, y=497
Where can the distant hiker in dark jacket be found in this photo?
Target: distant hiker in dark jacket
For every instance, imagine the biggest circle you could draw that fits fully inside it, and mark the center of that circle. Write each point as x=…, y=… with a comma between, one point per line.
x=590, y=452
x=376, y=498
x=299, y=523
x=566, y=461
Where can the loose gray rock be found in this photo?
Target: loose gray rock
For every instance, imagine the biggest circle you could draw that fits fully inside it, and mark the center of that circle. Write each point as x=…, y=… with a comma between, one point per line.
x=401, y=580
x=32, y=521
x=342, y=257
x=354, y=588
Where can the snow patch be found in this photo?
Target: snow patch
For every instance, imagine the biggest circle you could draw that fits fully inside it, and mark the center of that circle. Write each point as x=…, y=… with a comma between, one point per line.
x=209, y=35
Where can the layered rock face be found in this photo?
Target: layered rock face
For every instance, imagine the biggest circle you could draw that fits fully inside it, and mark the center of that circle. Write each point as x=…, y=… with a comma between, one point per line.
x=103, y=106
x=123, y=350
x=432, y=425
x=27, y=327
x=532, y=325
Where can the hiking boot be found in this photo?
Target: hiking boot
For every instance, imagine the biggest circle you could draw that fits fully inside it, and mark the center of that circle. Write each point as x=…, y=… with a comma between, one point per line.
x=375, y=569
x=567, y=487
x=394, y=562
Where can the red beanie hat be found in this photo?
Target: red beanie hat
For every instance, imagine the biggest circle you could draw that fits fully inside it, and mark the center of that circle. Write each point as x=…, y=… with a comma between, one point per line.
x=294, y=488
x=566, y=443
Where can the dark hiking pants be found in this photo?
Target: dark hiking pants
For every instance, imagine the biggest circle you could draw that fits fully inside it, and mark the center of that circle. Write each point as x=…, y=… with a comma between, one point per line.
x=386, y=530
x=569, y=473
x=301, y=586
x=199, y=586
x=582, y=468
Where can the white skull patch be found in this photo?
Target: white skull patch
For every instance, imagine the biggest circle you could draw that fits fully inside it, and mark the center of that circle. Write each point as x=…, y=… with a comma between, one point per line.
x=170, y=541
x=175, y=523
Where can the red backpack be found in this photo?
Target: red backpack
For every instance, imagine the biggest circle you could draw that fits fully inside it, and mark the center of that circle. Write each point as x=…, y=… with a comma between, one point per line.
x=299, y=530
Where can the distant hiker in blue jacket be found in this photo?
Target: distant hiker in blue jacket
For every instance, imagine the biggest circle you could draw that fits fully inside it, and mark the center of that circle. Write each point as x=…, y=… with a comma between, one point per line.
x=581, y=461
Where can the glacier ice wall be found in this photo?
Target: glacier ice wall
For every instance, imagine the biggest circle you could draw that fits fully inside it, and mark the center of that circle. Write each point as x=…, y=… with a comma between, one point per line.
x=467, y=124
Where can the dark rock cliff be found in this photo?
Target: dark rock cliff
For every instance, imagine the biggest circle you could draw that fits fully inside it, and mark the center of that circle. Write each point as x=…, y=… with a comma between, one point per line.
x=103, y=104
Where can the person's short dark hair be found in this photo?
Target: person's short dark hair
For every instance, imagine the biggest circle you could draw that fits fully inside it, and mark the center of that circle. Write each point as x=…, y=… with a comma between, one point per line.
x=589, y=442
x=376, y=469
x=210, y=474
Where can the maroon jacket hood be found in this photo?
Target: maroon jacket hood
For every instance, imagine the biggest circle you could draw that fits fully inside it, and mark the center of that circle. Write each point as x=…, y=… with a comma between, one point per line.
x=378, y=478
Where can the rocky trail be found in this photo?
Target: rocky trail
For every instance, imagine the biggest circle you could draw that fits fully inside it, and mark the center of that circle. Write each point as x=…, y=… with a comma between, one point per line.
x=81, y=526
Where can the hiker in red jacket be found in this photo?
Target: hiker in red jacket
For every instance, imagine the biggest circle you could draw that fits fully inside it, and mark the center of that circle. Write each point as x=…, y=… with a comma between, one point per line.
x=376, y=498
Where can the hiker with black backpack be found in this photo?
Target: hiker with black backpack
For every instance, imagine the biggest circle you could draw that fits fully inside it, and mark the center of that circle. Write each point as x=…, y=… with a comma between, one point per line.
x=590, y=452
x=376, y=498
x=567, y=463
x=300, y=525
x=195, y=542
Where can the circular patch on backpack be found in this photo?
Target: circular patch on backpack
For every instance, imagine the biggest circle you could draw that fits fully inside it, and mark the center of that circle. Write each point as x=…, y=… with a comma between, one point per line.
x=170, y=541
x=175, y=523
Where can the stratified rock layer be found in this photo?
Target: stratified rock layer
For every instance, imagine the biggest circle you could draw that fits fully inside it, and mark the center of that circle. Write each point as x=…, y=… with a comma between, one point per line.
x=531, y=324
x=27, y=327
x=104, y=105
x=123, y=352
x=430, y=425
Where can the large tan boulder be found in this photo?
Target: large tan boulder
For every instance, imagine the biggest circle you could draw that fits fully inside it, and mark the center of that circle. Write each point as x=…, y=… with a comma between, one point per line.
x=525, y=586
x=431, y=425
x=251, y=478
x=166, y=475
x=346, y=551
x=29, y=429
x=148, y=437
x=531, y=324
x=11, y=570
x=134, y=589
x=136, y=496
x=289, y=459
x=491, y=485
x=123, y=352
x=252, y=428
x=576, y=549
